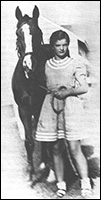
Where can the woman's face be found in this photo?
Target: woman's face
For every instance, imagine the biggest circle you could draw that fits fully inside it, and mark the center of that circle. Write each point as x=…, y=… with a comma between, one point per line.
x=60, y=48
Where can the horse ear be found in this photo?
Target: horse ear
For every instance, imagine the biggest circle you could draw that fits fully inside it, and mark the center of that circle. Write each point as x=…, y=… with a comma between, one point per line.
x=35, y=12
x=18, y=13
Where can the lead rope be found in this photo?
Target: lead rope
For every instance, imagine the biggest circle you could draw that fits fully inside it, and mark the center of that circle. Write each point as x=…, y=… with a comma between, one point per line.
x=64, y=124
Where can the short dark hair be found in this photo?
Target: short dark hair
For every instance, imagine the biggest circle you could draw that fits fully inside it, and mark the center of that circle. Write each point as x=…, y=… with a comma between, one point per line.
x=59, y=35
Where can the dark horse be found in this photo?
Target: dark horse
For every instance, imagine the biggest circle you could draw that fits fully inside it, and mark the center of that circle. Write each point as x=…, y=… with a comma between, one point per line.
x=28, y=77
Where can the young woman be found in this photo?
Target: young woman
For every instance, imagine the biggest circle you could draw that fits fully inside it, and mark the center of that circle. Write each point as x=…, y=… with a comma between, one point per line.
x=62, y=115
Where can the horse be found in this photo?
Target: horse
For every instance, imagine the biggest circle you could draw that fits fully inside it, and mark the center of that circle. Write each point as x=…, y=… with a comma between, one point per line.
x=28, y=78
x=28, y=83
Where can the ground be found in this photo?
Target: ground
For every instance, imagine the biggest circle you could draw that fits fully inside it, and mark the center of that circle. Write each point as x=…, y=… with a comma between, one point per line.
x=15, y=178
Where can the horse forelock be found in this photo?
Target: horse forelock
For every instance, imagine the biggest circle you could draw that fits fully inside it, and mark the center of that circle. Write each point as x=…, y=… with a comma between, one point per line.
x=22, y=21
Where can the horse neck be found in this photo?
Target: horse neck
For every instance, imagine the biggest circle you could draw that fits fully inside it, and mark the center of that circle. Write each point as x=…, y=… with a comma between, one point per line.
x=36, y=52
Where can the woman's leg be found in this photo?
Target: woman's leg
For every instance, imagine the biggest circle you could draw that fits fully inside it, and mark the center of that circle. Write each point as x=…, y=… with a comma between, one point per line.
x=80, y=161
x=59, y=167
x=58, y=160
x=81, y=165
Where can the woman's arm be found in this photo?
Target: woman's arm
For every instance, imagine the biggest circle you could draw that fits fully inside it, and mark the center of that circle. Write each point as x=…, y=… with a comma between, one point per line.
x=74, y=91
x=71, y=91
x=80, y=84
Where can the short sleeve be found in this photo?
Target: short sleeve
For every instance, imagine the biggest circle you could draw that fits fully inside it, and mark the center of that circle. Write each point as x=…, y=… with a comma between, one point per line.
x=80, y=73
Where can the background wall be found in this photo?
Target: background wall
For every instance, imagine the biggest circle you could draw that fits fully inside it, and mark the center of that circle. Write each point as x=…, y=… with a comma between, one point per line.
x=81, y=17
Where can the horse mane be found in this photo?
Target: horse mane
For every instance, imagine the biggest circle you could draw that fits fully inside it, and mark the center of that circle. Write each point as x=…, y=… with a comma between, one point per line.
x=37, y=40
x=20, y=43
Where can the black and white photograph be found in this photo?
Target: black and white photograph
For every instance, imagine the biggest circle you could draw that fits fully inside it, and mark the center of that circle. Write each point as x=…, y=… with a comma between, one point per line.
x=50, y=99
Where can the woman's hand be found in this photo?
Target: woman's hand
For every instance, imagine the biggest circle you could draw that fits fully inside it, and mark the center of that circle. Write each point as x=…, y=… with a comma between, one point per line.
x=61, y=93
x=64, y=92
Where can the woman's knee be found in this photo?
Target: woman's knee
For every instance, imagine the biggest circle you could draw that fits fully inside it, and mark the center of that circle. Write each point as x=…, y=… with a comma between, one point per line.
x=58, y=147
x=74, y=148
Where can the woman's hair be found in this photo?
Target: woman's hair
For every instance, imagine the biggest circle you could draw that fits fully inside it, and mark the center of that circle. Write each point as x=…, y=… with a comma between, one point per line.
x=59, y=35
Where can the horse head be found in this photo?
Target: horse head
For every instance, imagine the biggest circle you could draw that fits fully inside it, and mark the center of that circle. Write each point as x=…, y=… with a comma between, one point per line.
x=29, y=38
